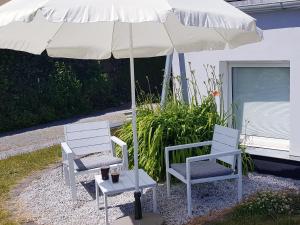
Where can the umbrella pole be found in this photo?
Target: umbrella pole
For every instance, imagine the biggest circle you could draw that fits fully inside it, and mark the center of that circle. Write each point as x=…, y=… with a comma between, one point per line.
x=137, y=193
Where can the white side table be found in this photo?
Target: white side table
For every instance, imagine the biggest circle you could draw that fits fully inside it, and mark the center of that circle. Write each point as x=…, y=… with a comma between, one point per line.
x=126, y=183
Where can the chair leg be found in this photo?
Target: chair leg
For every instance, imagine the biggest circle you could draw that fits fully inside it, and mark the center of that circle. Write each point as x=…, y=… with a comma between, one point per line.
x=240, y=182
x=73, y=184
x=66, y=174
x=154, y=200
x=189, y=199
x=65, y=171
x=168, y=184
x=240, y=188
x=142, y=195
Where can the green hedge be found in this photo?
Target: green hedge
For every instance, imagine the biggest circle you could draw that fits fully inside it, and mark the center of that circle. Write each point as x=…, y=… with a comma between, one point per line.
x=38, y=89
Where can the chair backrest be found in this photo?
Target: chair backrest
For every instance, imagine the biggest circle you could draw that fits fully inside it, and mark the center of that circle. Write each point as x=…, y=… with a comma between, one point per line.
x=88, y=138
x=224, y=140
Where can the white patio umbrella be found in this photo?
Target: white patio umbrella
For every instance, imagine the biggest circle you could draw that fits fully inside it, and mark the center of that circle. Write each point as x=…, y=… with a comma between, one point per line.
x=97, y=29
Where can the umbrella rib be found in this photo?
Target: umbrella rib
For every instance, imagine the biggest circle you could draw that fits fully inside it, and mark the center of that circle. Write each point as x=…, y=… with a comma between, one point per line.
x=173, y=45
x=221, y=35
x=53, y=36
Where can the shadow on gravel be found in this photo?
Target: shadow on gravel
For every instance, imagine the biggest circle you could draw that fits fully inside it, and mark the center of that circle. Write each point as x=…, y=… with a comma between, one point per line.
x=66, y=121
x=126, y=208
x=90, y=188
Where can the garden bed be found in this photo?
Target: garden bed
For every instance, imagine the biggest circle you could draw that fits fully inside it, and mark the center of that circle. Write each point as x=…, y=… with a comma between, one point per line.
x=263, y=208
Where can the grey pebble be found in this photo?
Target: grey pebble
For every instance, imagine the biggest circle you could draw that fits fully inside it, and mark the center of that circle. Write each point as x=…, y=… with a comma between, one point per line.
x=48, y=199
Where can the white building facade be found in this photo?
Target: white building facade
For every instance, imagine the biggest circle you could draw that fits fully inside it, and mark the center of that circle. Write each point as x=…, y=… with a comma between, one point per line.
x=261, y=80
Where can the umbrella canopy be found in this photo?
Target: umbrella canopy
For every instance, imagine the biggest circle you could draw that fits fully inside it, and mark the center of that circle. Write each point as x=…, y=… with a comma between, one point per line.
x=95, y=29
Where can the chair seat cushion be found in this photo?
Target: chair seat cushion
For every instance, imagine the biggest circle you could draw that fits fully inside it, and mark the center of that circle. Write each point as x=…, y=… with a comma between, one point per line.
x=202, y=169
x=92, y=162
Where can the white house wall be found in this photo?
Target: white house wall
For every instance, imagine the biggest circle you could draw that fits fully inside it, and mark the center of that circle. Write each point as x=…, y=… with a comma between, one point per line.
x=279, y=44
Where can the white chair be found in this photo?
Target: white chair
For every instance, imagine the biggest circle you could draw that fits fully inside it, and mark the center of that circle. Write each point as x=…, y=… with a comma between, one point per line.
x=206, y=168
x=87, y=148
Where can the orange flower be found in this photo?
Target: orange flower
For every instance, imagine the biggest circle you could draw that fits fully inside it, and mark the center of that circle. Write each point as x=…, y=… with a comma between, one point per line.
x=215, y=93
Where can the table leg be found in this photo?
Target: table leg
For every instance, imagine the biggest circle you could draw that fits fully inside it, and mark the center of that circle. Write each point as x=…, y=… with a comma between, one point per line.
x=106, y=210
x=154, y=199
x=97, y=195
x=142, y=195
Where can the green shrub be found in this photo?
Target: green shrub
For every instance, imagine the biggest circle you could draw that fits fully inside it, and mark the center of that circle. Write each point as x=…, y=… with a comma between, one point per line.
x=175, y=123
x=65, y=90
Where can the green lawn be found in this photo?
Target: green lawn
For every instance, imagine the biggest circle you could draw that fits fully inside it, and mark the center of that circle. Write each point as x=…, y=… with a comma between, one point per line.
x=14, y=169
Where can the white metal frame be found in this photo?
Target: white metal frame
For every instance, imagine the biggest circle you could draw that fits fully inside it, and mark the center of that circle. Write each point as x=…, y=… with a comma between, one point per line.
x=282, y=143
x=212, y=157
x=68, y=157
x=124, y=185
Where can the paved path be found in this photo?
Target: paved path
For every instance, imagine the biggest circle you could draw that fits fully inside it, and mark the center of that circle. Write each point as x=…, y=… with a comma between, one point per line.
x=53, y=133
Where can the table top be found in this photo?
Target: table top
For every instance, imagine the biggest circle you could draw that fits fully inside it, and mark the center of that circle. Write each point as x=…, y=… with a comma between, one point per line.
x=126, y=182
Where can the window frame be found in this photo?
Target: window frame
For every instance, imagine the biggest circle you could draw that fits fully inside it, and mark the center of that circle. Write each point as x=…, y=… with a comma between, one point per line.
x=253, y=141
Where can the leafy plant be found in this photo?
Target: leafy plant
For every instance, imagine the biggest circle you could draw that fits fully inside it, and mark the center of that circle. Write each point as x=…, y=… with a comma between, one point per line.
x=247, y=161
x=173, y=124
x=176, y=123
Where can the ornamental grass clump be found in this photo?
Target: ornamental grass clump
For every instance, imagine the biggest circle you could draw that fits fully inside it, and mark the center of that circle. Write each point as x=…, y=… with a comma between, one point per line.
x=175, y=123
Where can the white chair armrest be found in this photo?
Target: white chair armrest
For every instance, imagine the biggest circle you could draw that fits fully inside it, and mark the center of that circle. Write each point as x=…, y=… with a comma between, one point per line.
x=182, y=147
x=65, y=147
x=67, y=155
x=186, y=146
x=118, y=141
x=212, y=156
x=123, y=145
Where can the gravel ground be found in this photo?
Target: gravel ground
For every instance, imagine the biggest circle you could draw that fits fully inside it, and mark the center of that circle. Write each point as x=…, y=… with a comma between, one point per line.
x=50, y=134
x=47, y=200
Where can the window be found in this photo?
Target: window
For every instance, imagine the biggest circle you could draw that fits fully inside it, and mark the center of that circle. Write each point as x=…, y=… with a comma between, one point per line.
x=261, y=100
